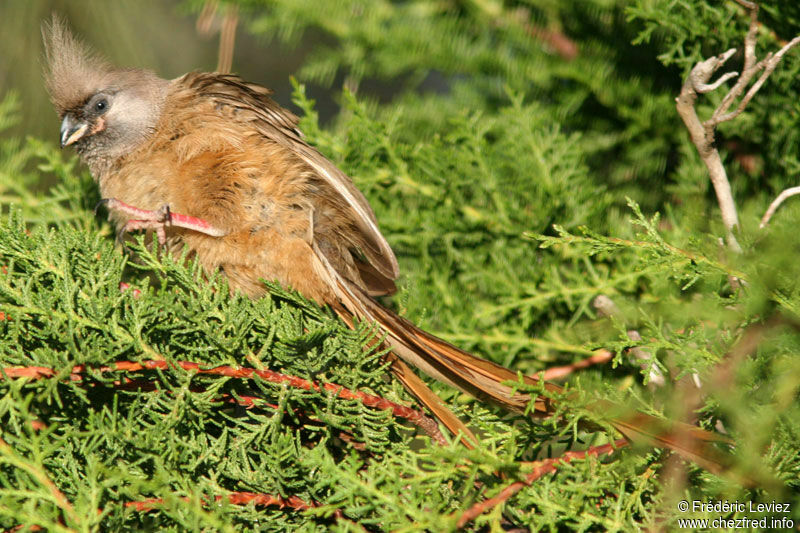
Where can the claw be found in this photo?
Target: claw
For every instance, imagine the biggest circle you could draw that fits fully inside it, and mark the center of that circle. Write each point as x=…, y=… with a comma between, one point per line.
x=103, y=202
x=166, y=214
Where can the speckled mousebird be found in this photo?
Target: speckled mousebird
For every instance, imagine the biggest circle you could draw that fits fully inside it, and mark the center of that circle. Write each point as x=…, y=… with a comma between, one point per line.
x=211, y=163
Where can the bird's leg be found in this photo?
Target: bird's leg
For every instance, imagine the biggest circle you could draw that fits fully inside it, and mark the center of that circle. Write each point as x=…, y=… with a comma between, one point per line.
x=158, y=220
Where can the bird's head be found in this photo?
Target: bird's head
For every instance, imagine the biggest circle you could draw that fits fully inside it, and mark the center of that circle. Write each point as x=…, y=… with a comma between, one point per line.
x=105, y=112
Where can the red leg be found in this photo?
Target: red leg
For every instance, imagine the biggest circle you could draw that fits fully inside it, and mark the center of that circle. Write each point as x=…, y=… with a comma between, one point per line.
x=158, y=220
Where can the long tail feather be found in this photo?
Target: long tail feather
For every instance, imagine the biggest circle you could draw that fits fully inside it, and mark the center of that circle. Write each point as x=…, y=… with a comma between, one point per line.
x=486, y=380
x=424, y=394
x=421, y=391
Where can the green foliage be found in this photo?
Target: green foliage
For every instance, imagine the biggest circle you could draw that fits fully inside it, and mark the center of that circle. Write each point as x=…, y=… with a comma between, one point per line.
x=612, y=92
x=446, y=207
x=516, y=185
x=75, y=451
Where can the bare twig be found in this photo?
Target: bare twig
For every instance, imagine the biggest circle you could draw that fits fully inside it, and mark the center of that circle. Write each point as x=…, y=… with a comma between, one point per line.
x=768, y=64
x=749, y=70
x=703, y=133
x=208, y=22
x=205, y=20
x=227, y=38
x=776, y=203
x=708, y=87
x=704, y=140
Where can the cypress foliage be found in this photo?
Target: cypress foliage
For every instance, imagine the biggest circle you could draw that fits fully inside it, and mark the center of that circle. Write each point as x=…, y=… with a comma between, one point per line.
x=529, y=161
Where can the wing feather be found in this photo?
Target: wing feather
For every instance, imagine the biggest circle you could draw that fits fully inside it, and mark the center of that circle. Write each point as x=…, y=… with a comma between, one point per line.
x=251, y=104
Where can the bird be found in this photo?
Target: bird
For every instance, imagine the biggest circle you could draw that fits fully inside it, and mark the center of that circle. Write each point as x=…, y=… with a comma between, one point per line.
x=210, y=163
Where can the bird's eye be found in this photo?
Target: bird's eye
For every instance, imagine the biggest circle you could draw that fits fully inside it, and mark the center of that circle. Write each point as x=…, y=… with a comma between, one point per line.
x=101, y=106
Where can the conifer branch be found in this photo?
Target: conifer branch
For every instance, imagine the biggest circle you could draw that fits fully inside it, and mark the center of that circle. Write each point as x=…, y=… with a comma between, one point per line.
x=9, y=457
x=422, y=421
x=540, y=468
x=504, y=136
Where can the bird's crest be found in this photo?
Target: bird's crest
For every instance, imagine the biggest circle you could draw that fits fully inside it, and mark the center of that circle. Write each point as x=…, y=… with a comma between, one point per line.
x=73, y=71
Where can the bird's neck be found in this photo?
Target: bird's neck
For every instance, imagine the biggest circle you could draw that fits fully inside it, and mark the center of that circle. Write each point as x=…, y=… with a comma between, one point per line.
x=100, y=166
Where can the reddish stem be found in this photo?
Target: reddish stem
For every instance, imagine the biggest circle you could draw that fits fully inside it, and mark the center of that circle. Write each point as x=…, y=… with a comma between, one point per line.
x=376, y=402
x=598, y=358
x=234, y=498
x=540, y=468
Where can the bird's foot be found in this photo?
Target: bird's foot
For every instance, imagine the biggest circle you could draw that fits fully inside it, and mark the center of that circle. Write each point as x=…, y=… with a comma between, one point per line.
x=157, y=220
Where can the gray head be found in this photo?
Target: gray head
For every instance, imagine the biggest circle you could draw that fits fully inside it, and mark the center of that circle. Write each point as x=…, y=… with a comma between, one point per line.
x=105, y=112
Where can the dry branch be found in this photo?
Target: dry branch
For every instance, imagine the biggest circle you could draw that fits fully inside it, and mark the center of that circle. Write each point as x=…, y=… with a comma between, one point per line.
x=776, y=203
x=703, y=133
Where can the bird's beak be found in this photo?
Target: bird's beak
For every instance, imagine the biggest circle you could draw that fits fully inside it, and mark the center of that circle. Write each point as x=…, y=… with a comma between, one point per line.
x=72, y=130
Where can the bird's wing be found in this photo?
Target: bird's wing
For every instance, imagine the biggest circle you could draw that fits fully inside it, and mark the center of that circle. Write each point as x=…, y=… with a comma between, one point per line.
x=252, y=105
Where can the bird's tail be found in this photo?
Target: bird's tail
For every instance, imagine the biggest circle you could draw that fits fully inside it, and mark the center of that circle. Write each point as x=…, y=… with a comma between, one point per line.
x=486, y=380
